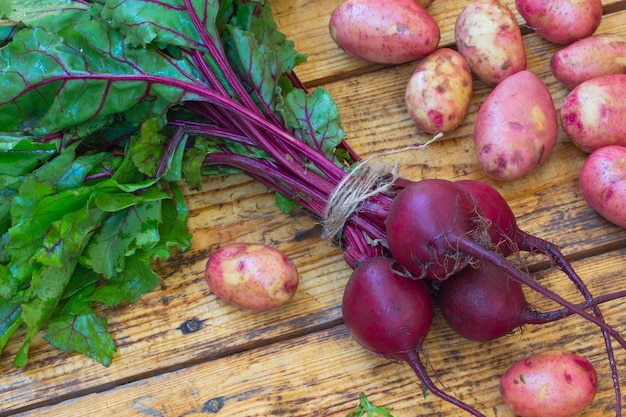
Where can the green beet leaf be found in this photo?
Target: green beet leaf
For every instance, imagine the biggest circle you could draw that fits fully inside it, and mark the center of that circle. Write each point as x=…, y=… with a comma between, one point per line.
x=67, y=237
x=44, y=196
x=162, y=23
x=121, y=234
x=82, y=283
x=156, y=155
x=314, y=118
x=85, y=74
x=53, y=15
x=128, y=285
x=19, y=155
x=48, y=284
x=10, y=320
x=259, y=53
x=173, y=228
x=77, y=328
x=85, y=333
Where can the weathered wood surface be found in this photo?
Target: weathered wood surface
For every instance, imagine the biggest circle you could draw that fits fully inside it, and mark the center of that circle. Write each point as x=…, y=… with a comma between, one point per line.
x=298, y=360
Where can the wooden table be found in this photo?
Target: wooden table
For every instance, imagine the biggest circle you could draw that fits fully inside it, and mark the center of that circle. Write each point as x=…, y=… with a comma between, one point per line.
x=299, y=360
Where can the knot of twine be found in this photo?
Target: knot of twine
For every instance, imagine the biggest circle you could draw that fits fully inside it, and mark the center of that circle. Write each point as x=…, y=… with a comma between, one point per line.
x=367, y=179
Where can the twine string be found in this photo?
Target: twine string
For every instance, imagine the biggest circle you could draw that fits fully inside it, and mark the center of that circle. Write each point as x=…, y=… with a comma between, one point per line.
x=369, y=178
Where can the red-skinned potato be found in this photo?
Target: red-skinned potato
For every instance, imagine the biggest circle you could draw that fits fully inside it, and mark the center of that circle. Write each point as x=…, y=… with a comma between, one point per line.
x=594, y=113
x=488, y=36
x=516, y=127
x=588, y=58
x=384, y=32
x=251, y=276
x=603, y=183
x=554, y=384
x=561, y=21
x=439, y=91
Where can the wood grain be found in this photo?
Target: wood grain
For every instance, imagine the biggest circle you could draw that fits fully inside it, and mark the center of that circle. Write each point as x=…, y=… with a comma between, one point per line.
x=299, y=360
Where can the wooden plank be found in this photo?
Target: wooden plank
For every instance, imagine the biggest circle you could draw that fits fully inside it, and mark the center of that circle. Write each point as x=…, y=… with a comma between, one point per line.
x=321, y=374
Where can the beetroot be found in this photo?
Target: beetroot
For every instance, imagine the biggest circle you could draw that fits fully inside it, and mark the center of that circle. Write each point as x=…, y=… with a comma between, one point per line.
x=434, y=230
x=391, y=315
x=502, y=227
x=375, y=285
x=482, y=303
x=505, y=235
x=421, y=218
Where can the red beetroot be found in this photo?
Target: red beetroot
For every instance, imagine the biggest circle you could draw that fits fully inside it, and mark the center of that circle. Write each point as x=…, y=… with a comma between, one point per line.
x=482, y=303
x=421, y=218
x=434, y=230
x=391, y=315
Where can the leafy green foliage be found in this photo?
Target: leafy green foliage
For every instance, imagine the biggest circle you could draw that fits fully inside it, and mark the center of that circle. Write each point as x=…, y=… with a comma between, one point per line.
x=105, y=108
x=162, y=23
x=366, y=408
x=74, y=332
x=314, y=118
x=81, y=77
x=19, y=156
x=52, y=15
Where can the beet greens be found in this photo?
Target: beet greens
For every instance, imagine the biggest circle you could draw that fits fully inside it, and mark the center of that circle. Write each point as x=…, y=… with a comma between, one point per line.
x=105, y=108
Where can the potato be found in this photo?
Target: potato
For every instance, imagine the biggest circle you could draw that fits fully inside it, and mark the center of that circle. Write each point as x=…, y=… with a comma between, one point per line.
x=439, y=92
x=251, y=276
x=516, y=127
x=554, y=384
x=594, y=113
x=603, y=183
x=589, y=58
x=488, y=36
x=384, y=31
x=561, y=21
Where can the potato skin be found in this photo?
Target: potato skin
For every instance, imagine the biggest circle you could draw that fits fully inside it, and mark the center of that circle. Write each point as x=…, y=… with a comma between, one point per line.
x=384, y=32
x=589, y=58
x=561, y=21
x=488, y=36
x=251, y=276
x=516, y=127
x=555, y=384
x=439, y=92
x=594, y=113
x=603, y=183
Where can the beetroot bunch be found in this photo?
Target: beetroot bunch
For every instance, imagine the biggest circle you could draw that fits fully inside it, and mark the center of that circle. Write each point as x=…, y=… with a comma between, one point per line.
x=463, y=238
